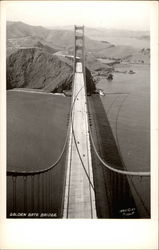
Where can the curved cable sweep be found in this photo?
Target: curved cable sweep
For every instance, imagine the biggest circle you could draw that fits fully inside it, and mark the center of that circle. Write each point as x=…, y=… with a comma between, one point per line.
x=124, y=172
x=118, y=145
x=13, y=172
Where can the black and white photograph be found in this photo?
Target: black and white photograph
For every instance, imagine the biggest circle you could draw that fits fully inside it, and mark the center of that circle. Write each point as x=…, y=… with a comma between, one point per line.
x=78, y=110
x=78, y=113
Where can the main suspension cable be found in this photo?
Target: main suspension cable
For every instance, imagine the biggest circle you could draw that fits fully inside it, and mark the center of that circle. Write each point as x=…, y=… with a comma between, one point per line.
x=14, y=172
x=132, y=173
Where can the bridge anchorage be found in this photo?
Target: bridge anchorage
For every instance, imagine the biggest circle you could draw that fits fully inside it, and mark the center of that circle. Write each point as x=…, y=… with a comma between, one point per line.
x=79, y=197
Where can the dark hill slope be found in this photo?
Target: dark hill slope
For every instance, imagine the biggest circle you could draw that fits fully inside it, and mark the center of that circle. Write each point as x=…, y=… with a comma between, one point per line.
x=34, y=68
x=45, y=47
x=28, y=42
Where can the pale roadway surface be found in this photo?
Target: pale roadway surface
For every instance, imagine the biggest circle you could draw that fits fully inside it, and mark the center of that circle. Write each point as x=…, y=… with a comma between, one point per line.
x=79, y=200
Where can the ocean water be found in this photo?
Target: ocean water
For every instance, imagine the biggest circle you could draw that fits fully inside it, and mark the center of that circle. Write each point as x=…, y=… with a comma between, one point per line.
x=127, y=105
x=36, y=131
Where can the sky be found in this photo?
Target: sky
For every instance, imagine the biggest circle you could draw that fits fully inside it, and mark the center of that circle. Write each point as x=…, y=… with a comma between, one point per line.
x=127, y=15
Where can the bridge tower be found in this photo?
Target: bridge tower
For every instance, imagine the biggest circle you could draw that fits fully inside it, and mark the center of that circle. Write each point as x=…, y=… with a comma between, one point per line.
x=78, y=45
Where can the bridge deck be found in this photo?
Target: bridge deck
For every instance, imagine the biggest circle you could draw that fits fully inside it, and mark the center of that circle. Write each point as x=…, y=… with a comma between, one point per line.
x=79, y=196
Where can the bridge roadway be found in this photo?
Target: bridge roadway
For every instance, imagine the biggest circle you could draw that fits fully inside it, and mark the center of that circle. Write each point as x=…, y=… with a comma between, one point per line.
x=79, y=200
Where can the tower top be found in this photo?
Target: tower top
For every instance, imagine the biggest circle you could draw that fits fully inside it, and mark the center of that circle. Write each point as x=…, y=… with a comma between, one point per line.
x=79, y=27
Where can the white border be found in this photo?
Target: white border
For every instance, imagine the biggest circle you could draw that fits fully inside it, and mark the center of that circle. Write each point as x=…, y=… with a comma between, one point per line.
x=82, y=234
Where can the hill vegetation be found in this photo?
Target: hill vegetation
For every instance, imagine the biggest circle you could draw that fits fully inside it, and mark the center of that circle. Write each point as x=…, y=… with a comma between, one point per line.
x=35, y=68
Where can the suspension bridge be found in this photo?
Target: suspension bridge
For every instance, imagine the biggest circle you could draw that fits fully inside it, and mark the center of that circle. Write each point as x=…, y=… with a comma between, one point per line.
x=80, y=191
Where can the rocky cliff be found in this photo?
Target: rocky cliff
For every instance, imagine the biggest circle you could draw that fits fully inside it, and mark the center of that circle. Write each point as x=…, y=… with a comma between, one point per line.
x=34, y=68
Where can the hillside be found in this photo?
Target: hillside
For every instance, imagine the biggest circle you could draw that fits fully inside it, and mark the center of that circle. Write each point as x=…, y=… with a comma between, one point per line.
x=35, y=68
x=31, y=62
x=116, y=52
x=100, y=32
x=28, y=42
x=21, y=34
x=141, y=56
x=104, y=32
x=20, y=29
x=126, y=53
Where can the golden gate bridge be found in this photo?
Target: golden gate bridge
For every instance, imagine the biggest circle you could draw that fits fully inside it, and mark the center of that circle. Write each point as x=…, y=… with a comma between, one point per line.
x=80, y=196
